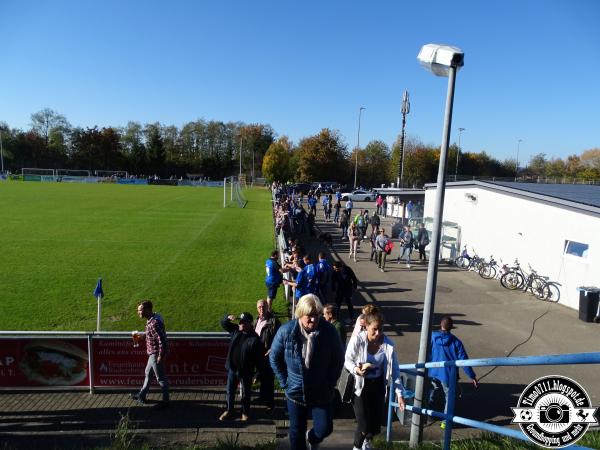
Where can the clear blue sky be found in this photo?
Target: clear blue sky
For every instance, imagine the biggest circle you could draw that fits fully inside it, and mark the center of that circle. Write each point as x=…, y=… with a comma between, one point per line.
x=531, y=67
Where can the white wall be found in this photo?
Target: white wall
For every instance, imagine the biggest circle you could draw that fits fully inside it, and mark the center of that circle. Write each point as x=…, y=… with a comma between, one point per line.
x=510, y=227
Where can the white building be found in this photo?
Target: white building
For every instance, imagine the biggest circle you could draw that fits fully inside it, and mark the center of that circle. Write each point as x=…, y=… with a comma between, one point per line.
x=553, y=227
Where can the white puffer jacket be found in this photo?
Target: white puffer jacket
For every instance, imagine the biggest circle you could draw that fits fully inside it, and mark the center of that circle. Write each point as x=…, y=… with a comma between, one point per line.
x=356, y=352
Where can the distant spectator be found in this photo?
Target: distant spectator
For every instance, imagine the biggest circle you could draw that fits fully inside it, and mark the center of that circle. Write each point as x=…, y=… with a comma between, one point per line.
x=406, y=244
x=336, y=212
x=156, y=349
x=311, y=274
x=312, y=204
x=324, y=270
x=330, y=314
x=274, y=277
x=375, y=222
x=307, y=358
x=266, y=326
x=244, y=356
x=379, y=203
x=344, y=283
x=300, y=284
x=446, y=347
x=422, y=242
x=381, y=243
x=349, y=206
x=344, y=224
x=354, y=235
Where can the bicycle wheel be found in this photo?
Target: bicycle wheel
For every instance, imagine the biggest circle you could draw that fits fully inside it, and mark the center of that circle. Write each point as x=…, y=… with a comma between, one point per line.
x=551, y=292
x=537, y=288
x=487, y=272
x=462, y=262
x=512, y=280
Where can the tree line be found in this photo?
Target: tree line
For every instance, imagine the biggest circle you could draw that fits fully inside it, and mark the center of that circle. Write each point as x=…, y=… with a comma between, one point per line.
x=202, y=148
x=212, y=149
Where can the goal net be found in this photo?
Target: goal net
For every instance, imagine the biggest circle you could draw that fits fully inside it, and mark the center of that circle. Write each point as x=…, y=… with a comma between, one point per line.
x=236, y=193
x=73, y=173
x=111, y=174
x=37, y=174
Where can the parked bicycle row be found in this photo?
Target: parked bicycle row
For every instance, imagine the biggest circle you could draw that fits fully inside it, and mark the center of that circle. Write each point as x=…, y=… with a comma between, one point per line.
x=511, y=277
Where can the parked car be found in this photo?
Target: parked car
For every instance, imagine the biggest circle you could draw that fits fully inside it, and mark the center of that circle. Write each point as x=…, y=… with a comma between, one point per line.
x=301, y=187
x=359, y=196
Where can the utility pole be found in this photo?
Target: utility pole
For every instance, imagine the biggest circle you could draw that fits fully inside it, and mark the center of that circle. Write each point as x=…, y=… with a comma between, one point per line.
x=241, y=141
x=357, y=147
x=405, y=110
x=1, y=152
x=460, y=130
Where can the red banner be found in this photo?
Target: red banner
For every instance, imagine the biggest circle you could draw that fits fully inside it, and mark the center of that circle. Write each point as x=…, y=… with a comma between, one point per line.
x=190, y=362
x=43, y=362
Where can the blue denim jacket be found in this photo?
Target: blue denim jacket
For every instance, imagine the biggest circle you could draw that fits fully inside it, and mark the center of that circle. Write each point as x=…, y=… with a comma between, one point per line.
x=316, y=385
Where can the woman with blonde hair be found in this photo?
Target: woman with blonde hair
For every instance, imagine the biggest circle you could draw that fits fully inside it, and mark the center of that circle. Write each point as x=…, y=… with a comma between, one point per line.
x=354, y=235
x=307, y=358
x=371, y=358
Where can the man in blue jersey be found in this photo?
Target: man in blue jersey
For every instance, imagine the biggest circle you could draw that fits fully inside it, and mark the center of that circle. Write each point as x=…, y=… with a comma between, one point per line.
x=312, y=204
x=273, y=279
x=300, y=284
x=311, y=274
x=323, y=277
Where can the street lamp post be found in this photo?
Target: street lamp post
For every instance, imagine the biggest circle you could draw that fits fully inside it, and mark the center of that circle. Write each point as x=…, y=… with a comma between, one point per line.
x=518, y=148
x=1, y=152
x=405, y=110
x=241, y=143
x=443, y=61
x=357, y=147
x=460, y=130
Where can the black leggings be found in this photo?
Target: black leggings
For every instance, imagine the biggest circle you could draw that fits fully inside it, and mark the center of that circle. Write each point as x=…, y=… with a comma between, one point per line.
x=368, y=408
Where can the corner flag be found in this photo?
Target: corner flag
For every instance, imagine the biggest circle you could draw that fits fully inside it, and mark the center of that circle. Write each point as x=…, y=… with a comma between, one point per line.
x=98, y=292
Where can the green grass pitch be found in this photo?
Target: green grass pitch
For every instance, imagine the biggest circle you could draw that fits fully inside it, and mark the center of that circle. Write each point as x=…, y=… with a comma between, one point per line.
x=177, y=246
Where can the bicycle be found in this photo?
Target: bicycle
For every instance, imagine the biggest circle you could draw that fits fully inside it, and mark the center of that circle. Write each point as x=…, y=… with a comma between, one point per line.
x=514, y=277
x=489, y=270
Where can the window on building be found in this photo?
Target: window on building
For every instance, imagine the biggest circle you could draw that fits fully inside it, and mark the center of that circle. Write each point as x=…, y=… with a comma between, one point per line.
x=578, y=249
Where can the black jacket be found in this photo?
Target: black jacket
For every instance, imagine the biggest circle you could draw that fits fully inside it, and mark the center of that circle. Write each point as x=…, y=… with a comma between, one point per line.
x=267, y=334
x=344, y=282
x=251, y=352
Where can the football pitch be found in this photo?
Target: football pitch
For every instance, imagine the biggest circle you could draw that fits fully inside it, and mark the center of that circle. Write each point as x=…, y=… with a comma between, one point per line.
x=176, y=246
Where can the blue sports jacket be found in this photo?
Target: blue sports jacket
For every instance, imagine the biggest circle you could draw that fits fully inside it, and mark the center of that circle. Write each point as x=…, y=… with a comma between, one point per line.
x=447, y=347
x=316, y=385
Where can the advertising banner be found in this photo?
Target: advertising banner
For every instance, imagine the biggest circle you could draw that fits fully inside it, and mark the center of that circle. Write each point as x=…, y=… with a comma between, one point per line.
x=43, y=362
x=190, y=362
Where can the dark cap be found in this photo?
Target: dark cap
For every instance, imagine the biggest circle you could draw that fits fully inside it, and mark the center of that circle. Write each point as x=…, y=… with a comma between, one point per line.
x=245, y=317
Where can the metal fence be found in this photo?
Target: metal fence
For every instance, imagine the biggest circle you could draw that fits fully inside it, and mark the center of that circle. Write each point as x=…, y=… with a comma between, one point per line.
x=450, y=418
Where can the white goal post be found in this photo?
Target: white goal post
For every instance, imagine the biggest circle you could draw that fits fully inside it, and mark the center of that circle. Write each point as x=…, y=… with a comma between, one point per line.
x=37, y=171
x=236, y=192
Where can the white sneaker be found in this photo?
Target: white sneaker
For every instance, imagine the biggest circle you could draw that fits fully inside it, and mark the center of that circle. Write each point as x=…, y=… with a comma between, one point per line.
x=355, y=448
x=367, y=445
x=408, y=266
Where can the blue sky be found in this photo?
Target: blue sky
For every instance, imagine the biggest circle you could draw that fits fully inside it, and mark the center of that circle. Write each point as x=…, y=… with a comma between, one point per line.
x=531, y=67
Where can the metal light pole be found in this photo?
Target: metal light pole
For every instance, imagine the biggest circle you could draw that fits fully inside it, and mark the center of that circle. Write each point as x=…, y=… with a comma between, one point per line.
x=357, y=147
x=405, y=110
x=518, y=148
x=241, y=141
x=460, y=130
x=442, y=61
x=1, y=152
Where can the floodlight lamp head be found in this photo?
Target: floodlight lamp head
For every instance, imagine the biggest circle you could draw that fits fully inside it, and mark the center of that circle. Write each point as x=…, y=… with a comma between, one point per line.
x=439, y=58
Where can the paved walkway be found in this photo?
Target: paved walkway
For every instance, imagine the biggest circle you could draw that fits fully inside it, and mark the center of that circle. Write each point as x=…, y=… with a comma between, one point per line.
x=490, y=320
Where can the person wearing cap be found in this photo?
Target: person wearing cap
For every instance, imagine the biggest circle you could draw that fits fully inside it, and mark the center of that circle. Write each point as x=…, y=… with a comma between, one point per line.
x=446, y=347
x=307, y=358
x=243, y=358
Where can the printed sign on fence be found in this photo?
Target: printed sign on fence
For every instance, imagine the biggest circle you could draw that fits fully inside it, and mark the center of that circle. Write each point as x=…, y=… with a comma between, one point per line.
x=42, y=362
x=190, y=362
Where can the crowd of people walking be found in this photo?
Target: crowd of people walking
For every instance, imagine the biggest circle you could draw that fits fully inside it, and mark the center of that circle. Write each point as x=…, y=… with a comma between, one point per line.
x=308, y=353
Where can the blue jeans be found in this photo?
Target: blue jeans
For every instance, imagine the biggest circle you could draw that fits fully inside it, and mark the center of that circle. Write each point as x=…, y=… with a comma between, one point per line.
x=232, y=382
x=159, y=373
x=407, y=251
x=322, y=417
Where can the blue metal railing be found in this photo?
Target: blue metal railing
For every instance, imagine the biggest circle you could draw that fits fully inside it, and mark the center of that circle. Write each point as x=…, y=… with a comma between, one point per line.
x=450, y=418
